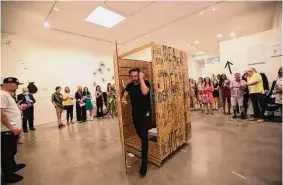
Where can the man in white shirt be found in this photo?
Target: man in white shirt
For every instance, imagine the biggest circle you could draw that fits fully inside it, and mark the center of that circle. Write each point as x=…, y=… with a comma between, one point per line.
x=10, y=128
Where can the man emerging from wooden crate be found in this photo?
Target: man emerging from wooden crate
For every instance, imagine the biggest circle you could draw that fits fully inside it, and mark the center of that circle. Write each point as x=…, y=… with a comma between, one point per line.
x=138, y=89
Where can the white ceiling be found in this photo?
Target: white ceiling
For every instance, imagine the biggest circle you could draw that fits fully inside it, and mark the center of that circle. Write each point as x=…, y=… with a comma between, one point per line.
x=172, y=23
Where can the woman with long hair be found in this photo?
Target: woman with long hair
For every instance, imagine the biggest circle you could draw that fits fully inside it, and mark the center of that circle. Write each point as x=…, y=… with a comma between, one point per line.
x=88, y=102
x=199, y=93
x=246, y=95
x=111, y=97
x=207, y=95
x=99, y=101
x=68, y=105
x=225, y=92
x=215, y=92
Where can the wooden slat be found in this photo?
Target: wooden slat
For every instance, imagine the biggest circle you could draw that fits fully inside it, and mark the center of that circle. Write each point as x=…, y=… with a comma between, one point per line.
x=135, y=50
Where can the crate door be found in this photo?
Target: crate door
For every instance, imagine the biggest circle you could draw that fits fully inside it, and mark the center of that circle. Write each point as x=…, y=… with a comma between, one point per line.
x=167, y=65
x=124, y=66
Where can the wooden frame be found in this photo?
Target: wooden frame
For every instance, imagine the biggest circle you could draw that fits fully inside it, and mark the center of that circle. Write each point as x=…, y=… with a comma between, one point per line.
x=168, y=74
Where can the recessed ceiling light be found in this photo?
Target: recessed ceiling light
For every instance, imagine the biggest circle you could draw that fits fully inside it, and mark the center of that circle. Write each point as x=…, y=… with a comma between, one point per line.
x=232, y=34
x=214, y=9
x=201, y=13
x=46, y=25
x=196, y=42
x=189, y=45
x=146, y=36
x=137, y=40
x=219, y=35
x=163, y=30
x=104, y=17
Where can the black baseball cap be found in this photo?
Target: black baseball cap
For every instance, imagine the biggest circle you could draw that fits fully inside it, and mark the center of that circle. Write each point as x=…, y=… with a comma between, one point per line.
x=12, y=80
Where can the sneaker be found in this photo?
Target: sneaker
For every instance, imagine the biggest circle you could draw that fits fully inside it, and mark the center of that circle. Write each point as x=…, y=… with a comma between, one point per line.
x=252, y=119
x=260, y=120
x=13, y=178
x=20, y=166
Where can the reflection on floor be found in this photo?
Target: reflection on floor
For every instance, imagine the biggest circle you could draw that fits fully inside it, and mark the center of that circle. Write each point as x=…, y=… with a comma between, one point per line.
x=221, y=152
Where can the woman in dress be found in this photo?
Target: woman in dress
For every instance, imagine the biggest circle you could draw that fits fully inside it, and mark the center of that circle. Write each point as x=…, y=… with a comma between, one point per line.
x=215, y=94
x=111, y=100
x=225, y=91
x=68, y=105
x=199, y=92
x=207, y=95
x=99, y=101
x=88, y=103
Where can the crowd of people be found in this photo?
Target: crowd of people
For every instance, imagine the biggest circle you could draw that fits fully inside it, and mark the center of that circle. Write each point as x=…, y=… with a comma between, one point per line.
x=84, y=103
x=209, y=94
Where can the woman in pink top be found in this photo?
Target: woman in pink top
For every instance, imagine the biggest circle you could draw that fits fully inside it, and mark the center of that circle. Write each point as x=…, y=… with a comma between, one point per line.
x=207, y=95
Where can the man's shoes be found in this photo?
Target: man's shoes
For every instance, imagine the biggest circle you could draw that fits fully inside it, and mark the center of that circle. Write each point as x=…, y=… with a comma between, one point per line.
x=20, y=166
x=25, y=131
x=143, y=169
x=13, y=178
x=32, y=128
x=234, y=117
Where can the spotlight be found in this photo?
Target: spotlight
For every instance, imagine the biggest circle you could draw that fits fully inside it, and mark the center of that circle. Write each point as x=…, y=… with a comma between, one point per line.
x=196, y=42
x=219, y=35
x=232, y=34
x=46, y=25
x=201, y=13
x=214, y=9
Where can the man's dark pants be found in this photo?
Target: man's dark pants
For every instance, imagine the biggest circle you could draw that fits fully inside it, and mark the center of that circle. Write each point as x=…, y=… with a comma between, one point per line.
x=8, y=152
x=258, y=102
x=142, y=124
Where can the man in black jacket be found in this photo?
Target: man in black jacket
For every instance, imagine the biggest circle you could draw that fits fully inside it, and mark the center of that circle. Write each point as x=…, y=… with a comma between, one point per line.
x=27, y=99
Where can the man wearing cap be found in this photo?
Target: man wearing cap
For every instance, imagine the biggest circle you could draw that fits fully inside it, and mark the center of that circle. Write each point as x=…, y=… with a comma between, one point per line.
x=256, y=91
x=10, y=128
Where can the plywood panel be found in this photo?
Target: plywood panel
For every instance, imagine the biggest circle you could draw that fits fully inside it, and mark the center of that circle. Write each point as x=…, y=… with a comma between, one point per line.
x=169, y=85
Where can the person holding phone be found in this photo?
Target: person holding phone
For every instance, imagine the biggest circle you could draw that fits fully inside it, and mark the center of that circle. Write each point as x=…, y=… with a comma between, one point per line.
x=80, y=105
x=99, y=102
x=57, y=101
x=139, y=91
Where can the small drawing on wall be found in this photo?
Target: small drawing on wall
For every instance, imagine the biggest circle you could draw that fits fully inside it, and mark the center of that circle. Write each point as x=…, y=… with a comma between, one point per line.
x=94, y=84
x=275, y=50
x=108, y=69
x=100, y=70
x=102, y=64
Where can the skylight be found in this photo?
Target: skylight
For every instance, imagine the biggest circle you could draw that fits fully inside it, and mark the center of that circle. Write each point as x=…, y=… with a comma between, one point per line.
x=104, y=17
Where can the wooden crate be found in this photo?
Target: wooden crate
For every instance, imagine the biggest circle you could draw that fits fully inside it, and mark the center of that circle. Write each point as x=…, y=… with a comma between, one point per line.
x=168, y=75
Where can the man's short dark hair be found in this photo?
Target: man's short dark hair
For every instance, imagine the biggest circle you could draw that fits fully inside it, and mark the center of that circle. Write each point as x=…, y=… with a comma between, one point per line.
x=58, y=87
x=134, y=70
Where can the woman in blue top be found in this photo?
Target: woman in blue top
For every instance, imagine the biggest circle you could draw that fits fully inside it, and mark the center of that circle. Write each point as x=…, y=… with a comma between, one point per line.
x=88, y=103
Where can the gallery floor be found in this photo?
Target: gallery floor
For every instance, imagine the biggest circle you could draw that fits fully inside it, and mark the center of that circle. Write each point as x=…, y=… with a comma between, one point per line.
x=222, y=152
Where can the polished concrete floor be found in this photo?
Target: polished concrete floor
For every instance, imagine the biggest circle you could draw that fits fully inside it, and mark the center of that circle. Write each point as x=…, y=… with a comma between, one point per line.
x=222, y=151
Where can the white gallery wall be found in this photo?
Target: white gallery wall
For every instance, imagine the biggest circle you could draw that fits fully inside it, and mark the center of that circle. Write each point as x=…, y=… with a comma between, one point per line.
x=50, y=64
x=250, y=51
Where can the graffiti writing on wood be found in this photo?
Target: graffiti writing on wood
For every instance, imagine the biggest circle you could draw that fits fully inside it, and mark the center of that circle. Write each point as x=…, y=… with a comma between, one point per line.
x=173, y=142
x=170, y=55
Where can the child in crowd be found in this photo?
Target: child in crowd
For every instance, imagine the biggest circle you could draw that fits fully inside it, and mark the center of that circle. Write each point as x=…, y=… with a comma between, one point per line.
x=199, y=93
x=237, y=95
x=207, y=95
